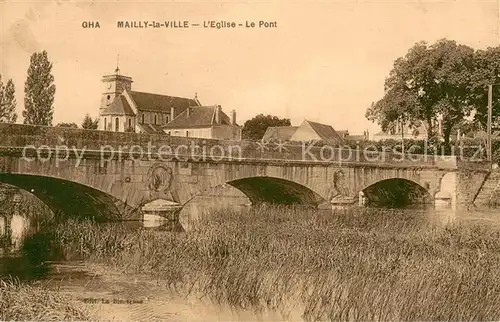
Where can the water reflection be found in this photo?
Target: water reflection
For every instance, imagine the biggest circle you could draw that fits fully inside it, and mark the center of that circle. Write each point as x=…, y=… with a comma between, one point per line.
x=13, y=229
x=18, y=258
x=161, y=223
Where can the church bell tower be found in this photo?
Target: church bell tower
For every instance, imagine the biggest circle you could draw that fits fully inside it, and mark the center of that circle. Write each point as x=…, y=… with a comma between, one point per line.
x=114, y=85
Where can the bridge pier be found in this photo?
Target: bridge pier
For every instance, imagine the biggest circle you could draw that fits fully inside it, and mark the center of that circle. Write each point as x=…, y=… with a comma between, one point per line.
x=161, y=212
x=446, y=196
x=361, y=199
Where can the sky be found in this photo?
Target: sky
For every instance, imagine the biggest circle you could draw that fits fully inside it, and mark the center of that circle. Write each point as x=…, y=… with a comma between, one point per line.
x=325, y=61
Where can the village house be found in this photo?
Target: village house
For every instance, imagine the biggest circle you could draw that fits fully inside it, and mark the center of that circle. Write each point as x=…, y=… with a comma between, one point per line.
x=204, y=122
x=279, y=133
x=408, y=132
x=125, y=110
x=418, y=132
x=344, y=134
x=307, y=131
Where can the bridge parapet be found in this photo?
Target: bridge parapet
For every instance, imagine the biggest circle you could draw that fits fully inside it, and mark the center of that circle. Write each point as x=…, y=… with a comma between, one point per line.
x=21, y=136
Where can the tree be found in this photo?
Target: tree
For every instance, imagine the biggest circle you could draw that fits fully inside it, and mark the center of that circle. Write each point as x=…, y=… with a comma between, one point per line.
x=255, y=128
x=7, y=102
x=71, y=125
x=453, y=66
x=396, y=108
x=469, y=128
x=486, y=71
x=428, y=83
x=409, y=85
x=39, y=91
x=89, y=123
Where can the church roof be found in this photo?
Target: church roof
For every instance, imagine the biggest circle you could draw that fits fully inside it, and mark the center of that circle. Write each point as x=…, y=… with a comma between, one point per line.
x=158, y=102
x=199, y=116
x=279, y=133
x=119, y=106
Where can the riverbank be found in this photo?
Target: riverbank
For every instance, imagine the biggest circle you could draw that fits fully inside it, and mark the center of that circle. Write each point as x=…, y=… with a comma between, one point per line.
x=112, y=295
x=362, y=264
x=23, y=302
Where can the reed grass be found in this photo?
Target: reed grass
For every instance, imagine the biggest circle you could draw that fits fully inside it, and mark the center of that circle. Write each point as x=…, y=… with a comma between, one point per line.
x=23, y=302
x=355, y=265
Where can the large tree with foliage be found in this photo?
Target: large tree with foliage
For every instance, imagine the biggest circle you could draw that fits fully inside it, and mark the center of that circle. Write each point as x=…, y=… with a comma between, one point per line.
x=255, y=128
x=89, y=123
x=396, y=108
x=486, y=72
x=39, y=91
x=453, y=66
x=7, y=102
x=428, y=83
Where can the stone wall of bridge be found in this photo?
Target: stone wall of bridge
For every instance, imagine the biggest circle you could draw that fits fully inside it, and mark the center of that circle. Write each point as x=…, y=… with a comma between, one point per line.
x=92, y=178
x=21, y=136
x=132, y=183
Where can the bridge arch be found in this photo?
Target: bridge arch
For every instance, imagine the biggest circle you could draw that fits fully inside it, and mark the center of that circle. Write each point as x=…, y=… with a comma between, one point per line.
x=396, y=192
x=268, y=189
x=67, y=198
x=264, y=189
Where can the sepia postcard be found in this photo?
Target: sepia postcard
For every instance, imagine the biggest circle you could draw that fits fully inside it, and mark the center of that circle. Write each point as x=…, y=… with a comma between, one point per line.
x=250, y=161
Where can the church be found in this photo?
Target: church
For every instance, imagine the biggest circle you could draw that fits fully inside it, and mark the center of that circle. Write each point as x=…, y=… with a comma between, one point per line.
x=125, y=110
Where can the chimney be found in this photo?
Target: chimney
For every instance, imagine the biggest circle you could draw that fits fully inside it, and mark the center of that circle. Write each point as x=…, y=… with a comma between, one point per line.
x=172, y=112
x=233, y=117
x=188, y=111
x=217, y=114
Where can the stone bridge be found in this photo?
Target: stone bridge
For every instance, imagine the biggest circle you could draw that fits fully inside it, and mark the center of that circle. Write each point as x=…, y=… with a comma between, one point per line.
x=109, y=174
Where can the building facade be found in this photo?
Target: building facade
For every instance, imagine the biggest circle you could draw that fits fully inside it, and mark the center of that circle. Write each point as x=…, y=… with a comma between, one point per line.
x=307, y=131
x=418, y=132
x=205, y=122
x=125, y=110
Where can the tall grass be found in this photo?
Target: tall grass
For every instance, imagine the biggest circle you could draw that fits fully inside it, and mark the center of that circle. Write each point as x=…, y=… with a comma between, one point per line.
x=358, y=265
x=22, y=302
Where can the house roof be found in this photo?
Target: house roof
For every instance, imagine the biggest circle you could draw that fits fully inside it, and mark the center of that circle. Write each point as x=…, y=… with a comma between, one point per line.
x=325, y=132
x=119, y=106
x=343, y=133
x=279, y=133
x=158, y=102
x=199, y=116
x=150, y=128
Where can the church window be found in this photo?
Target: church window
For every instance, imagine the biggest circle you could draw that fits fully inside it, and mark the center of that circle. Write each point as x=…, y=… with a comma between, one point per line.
x=117, y=125
x=142, y=118
x=105, y=123
x=166, y=119
x=155, y=119
x=130, y=123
